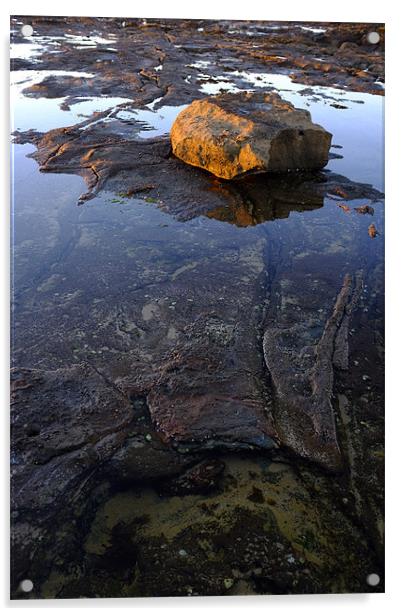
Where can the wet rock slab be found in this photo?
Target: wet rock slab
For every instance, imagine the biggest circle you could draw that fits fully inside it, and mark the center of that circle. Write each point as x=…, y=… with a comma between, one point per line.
x=231, y=135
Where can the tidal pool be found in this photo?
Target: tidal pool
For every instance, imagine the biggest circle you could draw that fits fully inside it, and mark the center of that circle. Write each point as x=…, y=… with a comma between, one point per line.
x=168, y=305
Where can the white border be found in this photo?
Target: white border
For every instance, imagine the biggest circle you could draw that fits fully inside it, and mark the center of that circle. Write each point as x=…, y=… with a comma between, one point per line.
x=309, y=10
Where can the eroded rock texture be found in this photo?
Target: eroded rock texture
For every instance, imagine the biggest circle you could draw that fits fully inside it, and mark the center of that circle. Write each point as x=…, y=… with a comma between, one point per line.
x=231, y=135
x=303, y=377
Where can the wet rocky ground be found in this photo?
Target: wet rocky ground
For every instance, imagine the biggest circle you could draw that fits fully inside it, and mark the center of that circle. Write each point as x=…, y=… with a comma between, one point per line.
x=197, y=382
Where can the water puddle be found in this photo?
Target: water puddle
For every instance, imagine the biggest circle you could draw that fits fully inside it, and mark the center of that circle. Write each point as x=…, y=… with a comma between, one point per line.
x=314, y=30
x=154, y=122
x=91, y=40
x=200, y=64
x=20, y=80
x=25, y=51
x=33, y=46
x=216, y=87
x=43, y=114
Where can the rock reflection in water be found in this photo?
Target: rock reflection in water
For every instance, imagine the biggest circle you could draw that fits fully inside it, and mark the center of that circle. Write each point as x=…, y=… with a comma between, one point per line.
x=262, y=198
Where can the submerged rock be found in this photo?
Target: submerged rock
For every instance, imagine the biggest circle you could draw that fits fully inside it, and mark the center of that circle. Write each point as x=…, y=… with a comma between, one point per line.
x=235, y=134
x=199, y=479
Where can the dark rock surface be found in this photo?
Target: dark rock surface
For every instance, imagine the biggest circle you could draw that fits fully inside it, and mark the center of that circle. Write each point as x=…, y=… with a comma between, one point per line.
x=89, y=432
x=304, y=413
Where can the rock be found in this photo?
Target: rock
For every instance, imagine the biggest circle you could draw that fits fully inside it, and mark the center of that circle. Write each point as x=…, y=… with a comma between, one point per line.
x=348, y=46
x=235, y=134
x=304, y=414
x=365, y=209
x=86, y=435
x=228, y=582
x=200, y=479
x=256, y=496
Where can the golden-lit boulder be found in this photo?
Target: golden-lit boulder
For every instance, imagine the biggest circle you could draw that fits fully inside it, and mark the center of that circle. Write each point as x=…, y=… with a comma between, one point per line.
x=231, y=135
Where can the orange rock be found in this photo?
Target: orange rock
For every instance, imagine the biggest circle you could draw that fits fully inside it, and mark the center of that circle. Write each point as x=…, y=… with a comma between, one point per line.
x=235, y=134
x=372, y=230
